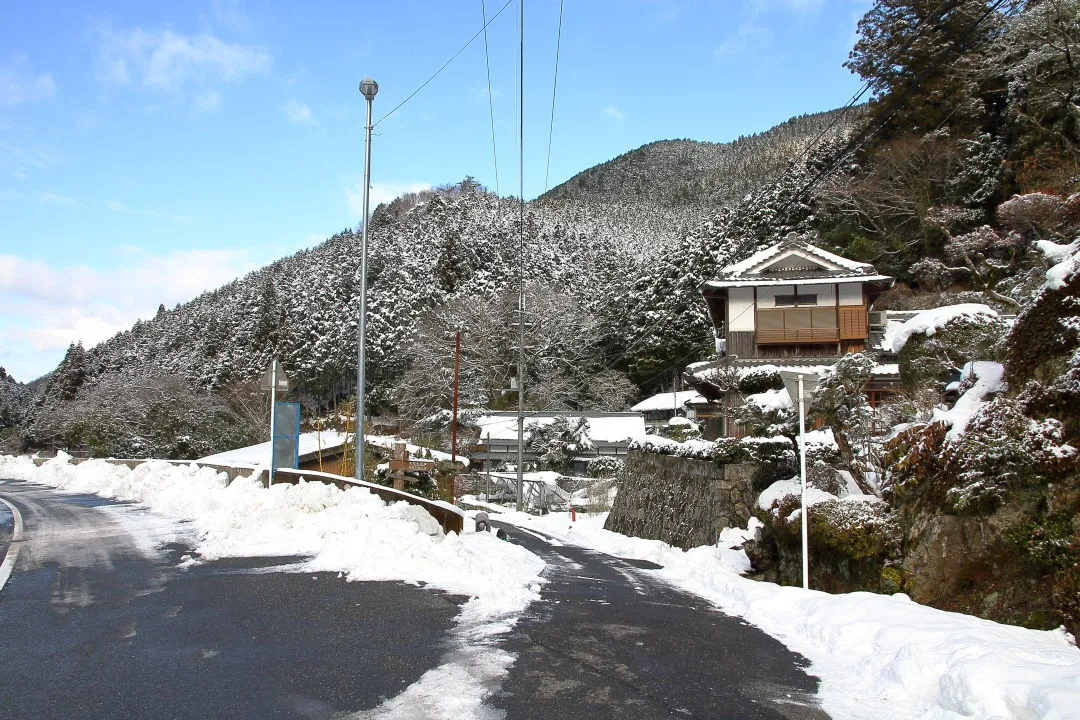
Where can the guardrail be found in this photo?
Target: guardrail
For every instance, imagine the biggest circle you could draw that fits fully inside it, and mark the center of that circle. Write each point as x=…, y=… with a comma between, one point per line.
x=449, y=517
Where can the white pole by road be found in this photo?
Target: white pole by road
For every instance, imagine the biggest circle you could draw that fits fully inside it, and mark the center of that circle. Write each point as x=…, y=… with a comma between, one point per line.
x=273, y=418
x=802, y=475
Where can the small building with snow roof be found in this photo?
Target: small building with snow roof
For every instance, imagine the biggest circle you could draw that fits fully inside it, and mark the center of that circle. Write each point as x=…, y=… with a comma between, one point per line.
x=660, y=408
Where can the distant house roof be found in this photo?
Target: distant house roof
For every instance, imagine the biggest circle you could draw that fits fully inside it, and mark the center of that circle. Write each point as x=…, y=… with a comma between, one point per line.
x=603, y=426
x=668, y=401
x=328, y=441
x=310, y=443
x=794, y=261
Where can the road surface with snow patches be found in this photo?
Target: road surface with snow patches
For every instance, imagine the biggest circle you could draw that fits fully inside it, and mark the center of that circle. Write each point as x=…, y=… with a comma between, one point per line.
x=607, y=641
x=97, y=621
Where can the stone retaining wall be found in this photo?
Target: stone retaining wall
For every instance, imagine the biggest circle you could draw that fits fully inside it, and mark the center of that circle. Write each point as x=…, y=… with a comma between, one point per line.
x=683, y=502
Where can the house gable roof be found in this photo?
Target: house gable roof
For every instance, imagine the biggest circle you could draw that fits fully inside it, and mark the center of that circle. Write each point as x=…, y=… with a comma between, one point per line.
x=794, y=261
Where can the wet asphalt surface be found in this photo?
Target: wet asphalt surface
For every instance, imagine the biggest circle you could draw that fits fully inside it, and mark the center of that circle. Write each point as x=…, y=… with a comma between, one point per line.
x=94, y=626
x=606, y=640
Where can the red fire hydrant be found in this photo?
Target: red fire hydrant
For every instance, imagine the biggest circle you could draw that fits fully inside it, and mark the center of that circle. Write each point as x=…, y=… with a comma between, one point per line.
x=573, y=514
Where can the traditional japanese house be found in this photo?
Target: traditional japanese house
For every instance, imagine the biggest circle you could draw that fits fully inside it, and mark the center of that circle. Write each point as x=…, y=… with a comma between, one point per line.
x=790, y=305
x=793, y=300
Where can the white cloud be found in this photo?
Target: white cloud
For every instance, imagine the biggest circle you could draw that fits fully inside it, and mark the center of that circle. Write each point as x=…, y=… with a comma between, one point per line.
x=613, y=112
x=748, y=37
x=207, y=101
x=380, y=193
x=19, y=83
x=298, y=113
x=171, y=62
x=48, y=307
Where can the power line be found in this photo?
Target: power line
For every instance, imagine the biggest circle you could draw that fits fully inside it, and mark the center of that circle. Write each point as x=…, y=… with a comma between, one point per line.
x=445, y=64
x=491, y=103
x=554, y=89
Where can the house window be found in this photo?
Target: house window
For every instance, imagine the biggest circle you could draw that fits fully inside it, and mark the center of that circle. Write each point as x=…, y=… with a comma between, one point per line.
x=795, y=300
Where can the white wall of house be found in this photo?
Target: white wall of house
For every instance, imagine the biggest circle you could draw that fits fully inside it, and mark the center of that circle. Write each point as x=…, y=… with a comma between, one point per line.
x=766, y=295
x=851, y=294
x=740, y=310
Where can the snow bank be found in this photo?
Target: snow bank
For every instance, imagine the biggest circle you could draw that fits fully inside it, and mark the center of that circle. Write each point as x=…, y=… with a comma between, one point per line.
x=878, y=656
x=350, y=531
x=928, y=322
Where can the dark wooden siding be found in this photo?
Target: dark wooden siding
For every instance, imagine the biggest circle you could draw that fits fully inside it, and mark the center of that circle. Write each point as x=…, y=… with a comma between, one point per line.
x=741, y=344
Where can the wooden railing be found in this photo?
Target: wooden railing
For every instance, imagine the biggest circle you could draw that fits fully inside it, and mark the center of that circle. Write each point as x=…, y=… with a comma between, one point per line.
x=800, y=335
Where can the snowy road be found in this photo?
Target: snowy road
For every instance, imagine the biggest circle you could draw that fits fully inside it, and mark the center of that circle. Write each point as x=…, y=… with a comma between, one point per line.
x=100, y=618
x=608, y=641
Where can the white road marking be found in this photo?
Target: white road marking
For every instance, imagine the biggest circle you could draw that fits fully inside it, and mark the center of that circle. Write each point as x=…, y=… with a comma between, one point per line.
x=13, y=549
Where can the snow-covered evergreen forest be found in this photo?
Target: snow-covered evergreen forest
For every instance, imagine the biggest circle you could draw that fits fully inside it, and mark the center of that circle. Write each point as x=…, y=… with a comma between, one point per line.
x=600, y=273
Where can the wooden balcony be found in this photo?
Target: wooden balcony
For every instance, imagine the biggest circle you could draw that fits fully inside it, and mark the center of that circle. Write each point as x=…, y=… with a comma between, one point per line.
x=798, y=335
x=811, y=325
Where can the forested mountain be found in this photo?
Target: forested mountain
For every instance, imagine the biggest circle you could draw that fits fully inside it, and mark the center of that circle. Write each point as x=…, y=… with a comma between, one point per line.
x=597, y=268
x=701, y=175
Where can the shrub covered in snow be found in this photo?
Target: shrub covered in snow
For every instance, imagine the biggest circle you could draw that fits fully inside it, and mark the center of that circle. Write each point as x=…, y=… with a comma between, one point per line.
x=928, y=358
x=606, y=466
x=855, y=543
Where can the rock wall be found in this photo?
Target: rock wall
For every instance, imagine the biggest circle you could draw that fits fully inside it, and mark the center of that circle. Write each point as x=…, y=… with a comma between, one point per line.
x=683, y=502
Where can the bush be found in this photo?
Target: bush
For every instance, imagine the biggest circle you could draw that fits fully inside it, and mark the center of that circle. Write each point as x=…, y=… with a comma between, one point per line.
x=758, y=380
x=605, y=466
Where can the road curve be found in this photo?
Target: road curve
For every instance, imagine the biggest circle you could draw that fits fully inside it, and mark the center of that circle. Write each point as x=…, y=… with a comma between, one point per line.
x=607, y=640
x=96, y=622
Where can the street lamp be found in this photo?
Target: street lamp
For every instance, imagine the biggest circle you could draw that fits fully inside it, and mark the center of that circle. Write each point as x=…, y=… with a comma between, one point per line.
x=368, y=88
x=799, y=385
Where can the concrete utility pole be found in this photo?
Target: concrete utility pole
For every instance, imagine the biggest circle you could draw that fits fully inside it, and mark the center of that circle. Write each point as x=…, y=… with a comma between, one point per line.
x=368, y=88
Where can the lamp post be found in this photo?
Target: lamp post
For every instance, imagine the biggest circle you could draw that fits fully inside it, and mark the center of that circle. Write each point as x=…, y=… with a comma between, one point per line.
x=799, y=385
x=368, y=88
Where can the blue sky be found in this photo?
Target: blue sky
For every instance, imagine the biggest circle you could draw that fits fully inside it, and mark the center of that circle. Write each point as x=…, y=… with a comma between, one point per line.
x=149, y=151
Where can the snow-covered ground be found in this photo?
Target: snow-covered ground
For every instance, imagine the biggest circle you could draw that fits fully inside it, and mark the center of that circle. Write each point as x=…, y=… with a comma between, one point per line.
x=348, y=531
x=878, y=656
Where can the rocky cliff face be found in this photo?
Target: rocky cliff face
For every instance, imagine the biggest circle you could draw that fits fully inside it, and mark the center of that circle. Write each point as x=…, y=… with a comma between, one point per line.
x=681, y=501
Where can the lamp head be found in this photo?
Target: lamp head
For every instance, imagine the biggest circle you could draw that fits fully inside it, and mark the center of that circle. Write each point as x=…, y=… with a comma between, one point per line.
x=368, y=88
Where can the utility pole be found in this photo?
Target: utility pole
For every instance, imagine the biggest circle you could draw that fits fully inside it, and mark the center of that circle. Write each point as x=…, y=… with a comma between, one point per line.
x=453, y=420
x=368, y=88
x=521, y=258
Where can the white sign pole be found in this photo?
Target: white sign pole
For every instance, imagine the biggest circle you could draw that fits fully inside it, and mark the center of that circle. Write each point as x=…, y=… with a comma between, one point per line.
x=802, y=475
x=273, y=417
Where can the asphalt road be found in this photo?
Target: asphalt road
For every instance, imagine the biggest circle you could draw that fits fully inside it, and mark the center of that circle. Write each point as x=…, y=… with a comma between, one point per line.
x=95, y=625
x=607, y=640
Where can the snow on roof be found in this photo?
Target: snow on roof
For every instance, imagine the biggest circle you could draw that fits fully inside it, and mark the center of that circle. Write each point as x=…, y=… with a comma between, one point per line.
x=668, y=401
x=253, y=455
x=777, y=250
x=415, y=451
x=603, y=427
x=313, y=442
x=930, y=321
x=779, y=280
